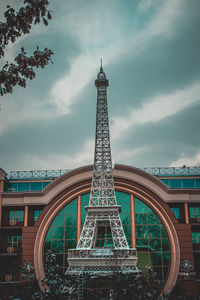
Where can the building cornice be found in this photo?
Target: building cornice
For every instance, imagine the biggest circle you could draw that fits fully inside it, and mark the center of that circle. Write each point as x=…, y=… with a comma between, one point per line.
x=121, y=172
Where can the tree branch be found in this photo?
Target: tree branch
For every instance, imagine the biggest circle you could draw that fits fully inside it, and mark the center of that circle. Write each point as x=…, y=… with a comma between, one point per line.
x=16, y=74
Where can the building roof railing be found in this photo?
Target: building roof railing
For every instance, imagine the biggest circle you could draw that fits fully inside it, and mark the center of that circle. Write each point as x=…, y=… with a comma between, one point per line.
x=173, y=171
x=37, y=174
x=155, y=171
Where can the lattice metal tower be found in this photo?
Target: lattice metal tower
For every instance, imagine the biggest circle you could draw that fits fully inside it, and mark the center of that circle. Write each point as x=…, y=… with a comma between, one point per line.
x=90, y=256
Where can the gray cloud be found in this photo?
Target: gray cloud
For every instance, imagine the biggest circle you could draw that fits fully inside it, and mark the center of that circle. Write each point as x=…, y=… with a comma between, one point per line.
x=166, y=141
x=165, y=63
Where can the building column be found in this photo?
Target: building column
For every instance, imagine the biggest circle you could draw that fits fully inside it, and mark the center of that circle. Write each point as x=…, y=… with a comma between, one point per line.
x=133, y=240
x=1, y=191
x=2, y=181
x=26, y=215
x=78, y=230
x=186, y=213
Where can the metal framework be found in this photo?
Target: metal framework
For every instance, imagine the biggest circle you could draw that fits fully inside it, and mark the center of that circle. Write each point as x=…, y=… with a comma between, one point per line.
x=156, y=171
x=87, y=257
x=37, y=174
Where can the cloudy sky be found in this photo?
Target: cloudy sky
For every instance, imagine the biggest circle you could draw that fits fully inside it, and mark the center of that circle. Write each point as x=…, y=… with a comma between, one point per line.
x=151, y=56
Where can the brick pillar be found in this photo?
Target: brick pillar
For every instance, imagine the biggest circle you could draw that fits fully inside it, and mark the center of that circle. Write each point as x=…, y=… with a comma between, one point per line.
x=133, y=240
x=2, y=181
x=78, y=219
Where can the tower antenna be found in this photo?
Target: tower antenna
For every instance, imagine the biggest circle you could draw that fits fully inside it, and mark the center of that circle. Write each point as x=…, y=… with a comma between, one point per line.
x=101, y=68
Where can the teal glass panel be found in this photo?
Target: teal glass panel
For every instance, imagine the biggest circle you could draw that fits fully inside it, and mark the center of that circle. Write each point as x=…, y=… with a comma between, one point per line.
x=189, y=183
x=21, y=213
x=122, y=198
x=12, y=213
x=37, y=212
x=194, y=212
x=176, y=211
x=142, y=243
x=141, y=231
x=127, y=231
x=157, y=258
x=85, y=199
x=197, y=183
x=23, y=186
x=71, y=208
x=165, y=181
x=165, y=245
x=58, y=246
x=153, y=219
x=17, y=215
x=163, y=231
x=44, y=184
x=141, y=218
x=151, y=239
x=125, y=219
x=140, y=207
x=125, y=208
x=70, y=232
x=57, y=233
x=196, y=239
x=155, y=244
x=176, y=183
x=166, y=258
x=59, y=221
x=154, y=231
x=129, y=242
x=49, y=234
x=70, y=244
x=62, y=233
x=70, y=220
x=13, y=187
x=35, y=186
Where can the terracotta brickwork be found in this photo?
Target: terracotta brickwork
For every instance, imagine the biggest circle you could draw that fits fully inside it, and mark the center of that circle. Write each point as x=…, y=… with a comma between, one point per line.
x=28, y=241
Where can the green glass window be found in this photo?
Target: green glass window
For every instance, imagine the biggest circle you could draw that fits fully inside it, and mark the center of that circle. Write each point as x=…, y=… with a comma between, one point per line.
x=151, y=240
x=183, y=183
x=176, y=183
x=35, y=186
x=61, y=235
x=37, y=212
x=194, y=212
x=165, y=181
x=189, y=183
x=16, y=216
x=196, y=249
x=197, y=183
x=176, y=211
x=14, y=241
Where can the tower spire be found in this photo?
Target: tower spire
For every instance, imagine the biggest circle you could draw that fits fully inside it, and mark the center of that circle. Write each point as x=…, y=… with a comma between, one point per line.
x=89, y=255
x=101, y=68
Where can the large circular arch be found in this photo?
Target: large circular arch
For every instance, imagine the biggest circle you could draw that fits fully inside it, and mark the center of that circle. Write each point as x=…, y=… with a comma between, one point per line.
x=127, y=184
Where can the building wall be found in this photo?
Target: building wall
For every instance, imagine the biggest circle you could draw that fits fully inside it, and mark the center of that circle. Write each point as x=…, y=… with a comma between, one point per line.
x=127, y=179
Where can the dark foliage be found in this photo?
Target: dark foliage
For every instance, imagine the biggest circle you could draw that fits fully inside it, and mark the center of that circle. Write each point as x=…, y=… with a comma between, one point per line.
x=131, y=286
x=16, y=24
x=57, y=285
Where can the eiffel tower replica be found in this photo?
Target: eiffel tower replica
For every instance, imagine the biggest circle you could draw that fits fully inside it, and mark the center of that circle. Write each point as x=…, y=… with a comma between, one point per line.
x=90, y=256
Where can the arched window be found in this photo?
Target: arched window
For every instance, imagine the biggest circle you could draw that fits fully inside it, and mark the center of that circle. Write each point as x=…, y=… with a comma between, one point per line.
x=149, y=235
